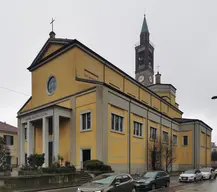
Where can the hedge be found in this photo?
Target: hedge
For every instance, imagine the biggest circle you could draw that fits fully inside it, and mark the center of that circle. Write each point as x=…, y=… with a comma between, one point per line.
x=49, y=170
x=96, y=165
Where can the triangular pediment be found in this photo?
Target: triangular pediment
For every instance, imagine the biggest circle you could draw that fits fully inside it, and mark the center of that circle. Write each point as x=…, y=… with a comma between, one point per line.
x=50, y=49
x=50, y=46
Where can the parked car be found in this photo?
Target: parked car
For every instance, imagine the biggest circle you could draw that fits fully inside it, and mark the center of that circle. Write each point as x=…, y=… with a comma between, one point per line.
x=151, y=180
x=191, y=175
x=109, y=182
x=208, y=173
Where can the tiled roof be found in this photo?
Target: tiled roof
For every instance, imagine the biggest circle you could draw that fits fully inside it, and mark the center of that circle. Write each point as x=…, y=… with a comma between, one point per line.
x=4, y=127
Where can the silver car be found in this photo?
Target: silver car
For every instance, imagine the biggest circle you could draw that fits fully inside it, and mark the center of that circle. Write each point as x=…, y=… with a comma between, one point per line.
x=109, y=182
x=208, y=173
x=191, y=175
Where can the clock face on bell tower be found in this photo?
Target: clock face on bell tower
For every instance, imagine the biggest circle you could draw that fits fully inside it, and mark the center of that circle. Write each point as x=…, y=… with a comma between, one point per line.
x=144, y=58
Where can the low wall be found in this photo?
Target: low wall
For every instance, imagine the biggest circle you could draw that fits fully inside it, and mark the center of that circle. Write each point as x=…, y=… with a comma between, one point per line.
x=38, y=182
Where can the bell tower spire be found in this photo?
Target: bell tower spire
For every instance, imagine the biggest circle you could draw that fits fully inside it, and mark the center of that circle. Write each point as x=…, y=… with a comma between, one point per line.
x=144, y=57
x=144, y=35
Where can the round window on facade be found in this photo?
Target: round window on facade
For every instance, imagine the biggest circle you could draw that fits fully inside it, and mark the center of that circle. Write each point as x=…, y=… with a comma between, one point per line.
x=51, y=85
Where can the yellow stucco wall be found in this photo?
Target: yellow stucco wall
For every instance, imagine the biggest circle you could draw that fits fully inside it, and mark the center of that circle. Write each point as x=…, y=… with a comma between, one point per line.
x=38, y=139
x=145, y=97
x=114, y=79
x=176, y=148
x=117, y=155
x=138, y=145
x=131, y=89
x=65, y=73
x=171, y=98
x=13, y=148
x=66, y=104
x=87, y=139
x=155, y=103
x=164, y=108
x=28, y=106
x=202, y=148
x=151, y=142
x=208, y=153
x=64, y=144
x=51, y=49
x=184, y=152
x=84, y=66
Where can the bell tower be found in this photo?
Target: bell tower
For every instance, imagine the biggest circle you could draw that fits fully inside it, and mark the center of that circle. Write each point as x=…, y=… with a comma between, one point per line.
x=144, y=57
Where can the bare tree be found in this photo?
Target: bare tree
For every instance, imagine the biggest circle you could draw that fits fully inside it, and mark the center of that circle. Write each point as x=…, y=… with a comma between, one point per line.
x=169, y=155
x=155, y=153
x=4, y=153
x=162, y=154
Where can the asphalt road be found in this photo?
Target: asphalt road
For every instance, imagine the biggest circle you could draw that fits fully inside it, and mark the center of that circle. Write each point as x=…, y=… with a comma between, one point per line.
x=204, y=186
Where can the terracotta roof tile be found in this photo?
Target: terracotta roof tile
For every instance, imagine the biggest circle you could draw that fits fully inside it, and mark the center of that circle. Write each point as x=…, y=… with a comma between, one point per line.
x=7, y=128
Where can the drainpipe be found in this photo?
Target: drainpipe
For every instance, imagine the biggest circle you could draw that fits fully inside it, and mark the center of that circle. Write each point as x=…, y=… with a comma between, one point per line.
x=129, y=136
x=147, y=137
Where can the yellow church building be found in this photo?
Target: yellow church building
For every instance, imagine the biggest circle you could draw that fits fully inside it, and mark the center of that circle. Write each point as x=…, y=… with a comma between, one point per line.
x=84, y=107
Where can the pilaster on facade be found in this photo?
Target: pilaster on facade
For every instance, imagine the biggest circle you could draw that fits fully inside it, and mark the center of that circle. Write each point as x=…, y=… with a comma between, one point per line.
x=102, y=123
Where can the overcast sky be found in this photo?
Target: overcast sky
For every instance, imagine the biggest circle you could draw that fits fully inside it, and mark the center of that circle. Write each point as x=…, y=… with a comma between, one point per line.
x=184, y=34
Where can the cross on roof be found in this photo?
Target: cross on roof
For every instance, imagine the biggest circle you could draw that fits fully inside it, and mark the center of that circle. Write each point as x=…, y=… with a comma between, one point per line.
x=52, y=23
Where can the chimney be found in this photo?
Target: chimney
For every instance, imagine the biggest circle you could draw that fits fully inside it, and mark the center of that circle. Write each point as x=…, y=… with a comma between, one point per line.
x=158, y=78
x=52, y=35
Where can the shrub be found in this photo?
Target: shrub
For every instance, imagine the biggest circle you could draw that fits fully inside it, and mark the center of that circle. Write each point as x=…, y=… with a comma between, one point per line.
x=36, y=160
x=5, y=167
x=28, y=170
x=96, y=165
x=92, y=162
x=67, y=164
x=51, y=170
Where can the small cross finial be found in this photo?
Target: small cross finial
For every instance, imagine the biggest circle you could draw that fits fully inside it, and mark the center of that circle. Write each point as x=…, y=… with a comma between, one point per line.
x=52, y=23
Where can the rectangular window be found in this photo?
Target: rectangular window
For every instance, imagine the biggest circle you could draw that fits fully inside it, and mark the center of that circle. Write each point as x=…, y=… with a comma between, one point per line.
x=137, y=129
x=175, y=142
x=185, y=140
x=153, y=133
x=165, y=137
x=9, y=140
x=86, y=121
x=117, y=123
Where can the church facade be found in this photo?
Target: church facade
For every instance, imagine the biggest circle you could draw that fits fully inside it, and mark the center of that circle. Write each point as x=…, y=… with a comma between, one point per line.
x=83, y=107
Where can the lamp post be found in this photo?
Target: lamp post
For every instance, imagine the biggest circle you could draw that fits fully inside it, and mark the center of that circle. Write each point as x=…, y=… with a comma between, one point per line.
x=214, y=97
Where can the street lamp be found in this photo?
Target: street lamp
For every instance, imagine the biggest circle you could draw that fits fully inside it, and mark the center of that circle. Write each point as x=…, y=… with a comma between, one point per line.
x=214, y=97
